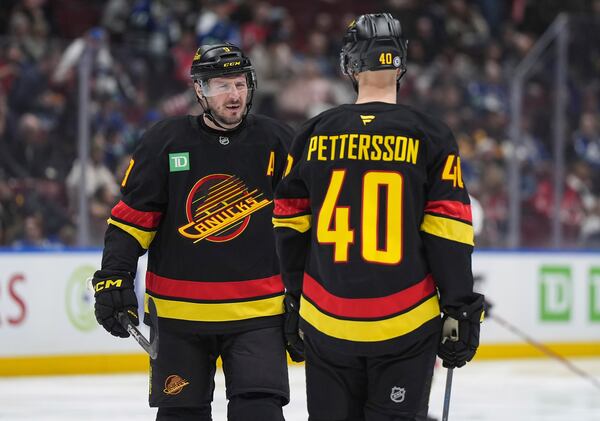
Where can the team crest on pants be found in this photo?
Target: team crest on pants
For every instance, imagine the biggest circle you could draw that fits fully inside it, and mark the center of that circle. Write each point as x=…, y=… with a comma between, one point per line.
x=174, y=384
x=218, y=208
x=398, y=394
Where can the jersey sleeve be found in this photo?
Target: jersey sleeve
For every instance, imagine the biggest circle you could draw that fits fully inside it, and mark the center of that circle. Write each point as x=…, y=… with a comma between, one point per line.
x=447, y=228
x=292, y=218
x=135, y=218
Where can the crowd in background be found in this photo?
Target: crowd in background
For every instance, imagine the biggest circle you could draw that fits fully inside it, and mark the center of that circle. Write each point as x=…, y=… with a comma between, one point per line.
x=461, y=58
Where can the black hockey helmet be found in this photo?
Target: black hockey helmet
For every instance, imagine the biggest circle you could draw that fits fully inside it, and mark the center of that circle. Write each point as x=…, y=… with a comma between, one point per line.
x=373, y=42
x=218, y=60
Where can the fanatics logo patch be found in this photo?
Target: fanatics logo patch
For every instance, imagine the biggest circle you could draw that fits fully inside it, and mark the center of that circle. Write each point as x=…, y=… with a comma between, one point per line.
x=366, y=119
x=179, y=161
x=398, y=394
x=174, y=384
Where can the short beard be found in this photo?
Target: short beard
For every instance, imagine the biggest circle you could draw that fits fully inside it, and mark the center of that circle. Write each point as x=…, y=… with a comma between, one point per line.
x=221, y=119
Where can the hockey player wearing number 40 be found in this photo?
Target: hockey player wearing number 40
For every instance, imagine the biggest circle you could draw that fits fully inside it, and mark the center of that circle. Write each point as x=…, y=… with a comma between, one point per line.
x=374, y=236
x=198, y=196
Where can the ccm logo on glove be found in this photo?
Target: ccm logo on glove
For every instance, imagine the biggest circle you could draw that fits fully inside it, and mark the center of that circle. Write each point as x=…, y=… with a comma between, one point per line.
x=109, y=283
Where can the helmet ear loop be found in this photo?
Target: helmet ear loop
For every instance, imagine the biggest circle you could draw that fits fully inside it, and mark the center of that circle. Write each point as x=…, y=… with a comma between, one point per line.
x=252, y=83
x=347, y=70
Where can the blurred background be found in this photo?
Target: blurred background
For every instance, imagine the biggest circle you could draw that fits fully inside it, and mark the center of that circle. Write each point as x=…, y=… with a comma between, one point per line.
x=516, y=80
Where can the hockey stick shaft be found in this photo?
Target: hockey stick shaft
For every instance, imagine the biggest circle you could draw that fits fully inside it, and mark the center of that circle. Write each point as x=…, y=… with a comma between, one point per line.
x=543, y=348
x=447, y=393
x=151, y=347
x=135, y=333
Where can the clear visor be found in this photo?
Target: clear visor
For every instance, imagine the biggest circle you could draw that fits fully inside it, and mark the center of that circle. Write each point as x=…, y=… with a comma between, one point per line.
x=224, y=86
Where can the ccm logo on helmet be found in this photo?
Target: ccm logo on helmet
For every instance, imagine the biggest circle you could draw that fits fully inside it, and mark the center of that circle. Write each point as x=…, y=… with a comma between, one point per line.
x=108, y=284
x=233, y=63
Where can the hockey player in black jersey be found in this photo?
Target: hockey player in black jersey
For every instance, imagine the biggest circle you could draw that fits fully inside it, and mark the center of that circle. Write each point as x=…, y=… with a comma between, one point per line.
x=198, y=196
x=374, y=236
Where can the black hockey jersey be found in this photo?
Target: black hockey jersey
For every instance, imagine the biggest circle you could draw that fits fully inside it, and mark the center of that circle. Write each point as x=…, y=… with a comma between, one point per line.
x=372, y=220
x=201, y=200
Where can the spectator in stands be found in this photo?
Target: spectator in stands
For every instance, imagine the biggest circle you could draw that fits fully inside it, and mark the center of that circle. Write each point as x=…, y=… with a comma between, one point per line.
x=29, y=27
x=590, y=229
x=101, y=203
x=32, y=149
x=97, y=175
x=308, y=94
x=183, y=55
x=214, y=24
x=465, y=26
x=33, y=235
x=7, y=212
x=462, y=54
x=256, y=31
x=586, y=143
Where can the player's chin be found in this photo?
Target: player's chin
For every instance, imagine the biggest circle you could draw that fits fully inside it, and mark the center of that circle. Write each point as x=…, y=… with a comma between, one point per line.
x=232, y=116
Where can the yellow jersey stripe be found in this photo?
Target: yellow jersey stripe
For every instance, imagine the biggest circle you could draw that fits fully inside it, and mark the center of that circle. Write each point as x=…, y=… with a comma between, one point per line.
x=449, y=229
x=299, y=223
x=217, y=312
x=142, y=237
x=372, y=330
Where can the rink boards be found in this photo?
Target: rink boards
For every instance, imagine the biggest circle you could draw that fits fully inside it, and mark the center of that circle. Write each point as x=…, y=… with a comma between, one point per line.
x=47, y=323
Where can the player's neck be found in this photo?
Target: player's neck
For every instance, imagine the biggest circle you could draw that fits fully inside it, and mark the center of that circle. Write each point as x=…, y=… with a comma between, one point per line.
x=376, y=94
x=376, y=86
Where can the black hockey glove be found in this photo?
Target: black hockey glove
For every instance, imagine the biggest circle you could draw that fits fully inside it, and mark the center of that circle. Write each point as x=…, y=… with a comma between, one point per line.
x=460, y=333
x=114, y=293
x=293, y=340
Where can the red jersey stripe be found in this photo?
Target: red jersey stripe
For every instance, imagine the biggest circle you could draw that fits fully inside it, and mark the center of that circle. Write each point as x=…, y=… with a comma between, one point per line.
x=367, y=307
x=450, y=208
x=197, y=290
x=127, y=214
x=285, y=207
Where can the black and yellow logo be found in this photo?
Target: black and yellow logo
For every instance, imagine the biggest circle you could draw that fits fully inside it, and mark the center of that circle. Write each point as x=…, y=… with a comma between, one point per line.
x=366, y=119
x=174, y=384
x=109, y=283
x=219, y=207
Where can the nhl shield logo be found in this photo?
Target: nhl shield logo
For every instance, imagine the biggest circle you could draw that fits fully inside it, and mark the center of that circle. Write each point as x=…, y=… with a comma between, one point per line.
x=398, y=394
x=223, y=140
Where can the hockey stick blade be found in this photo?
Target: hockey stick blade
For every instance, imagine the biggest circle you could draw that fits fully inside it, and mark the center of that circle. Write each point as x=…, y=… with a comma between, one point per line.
x=447, y=393
x=151, y=347
x=544, y=349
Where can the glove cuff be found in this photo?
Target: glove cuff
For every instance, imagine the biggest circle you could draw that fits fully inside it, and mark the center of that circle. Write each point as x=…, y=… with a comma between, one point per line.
x=473, y=311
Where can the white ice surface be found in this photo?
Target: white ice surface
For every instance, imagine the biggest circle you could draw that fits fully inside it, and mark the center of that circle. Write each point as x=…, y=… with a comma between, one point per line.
x=528, y=390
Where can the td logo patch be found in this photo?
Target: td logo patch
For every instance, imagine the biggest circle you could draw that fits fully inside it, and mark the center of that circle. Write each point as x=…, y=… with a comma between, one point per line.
x=179, y=161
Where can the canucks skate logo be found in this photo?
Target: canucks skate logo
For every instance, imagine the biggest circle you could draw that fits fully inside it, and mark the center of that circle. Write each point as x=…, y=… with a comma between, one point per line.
x=218, y=208
x=174, y=384
x=398, y=394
